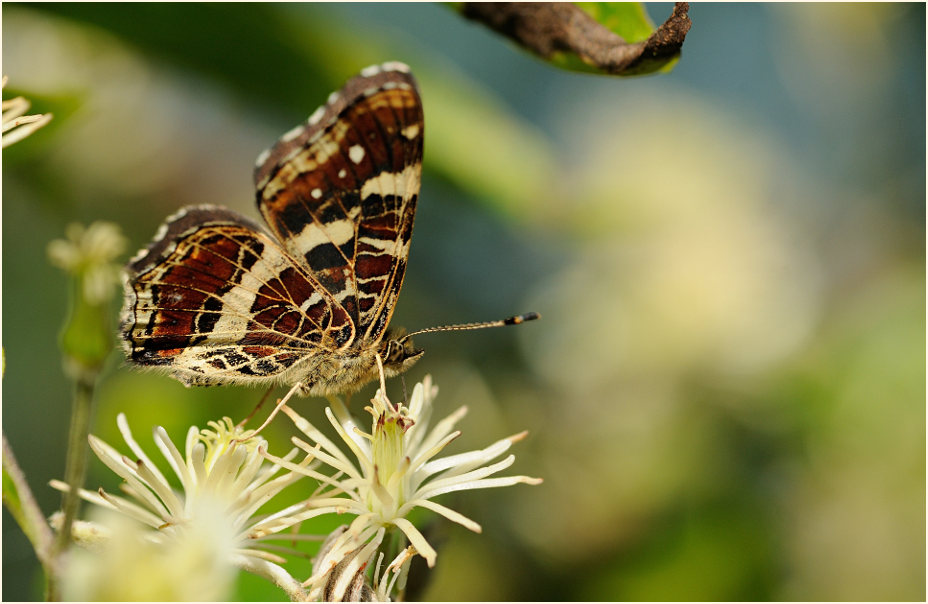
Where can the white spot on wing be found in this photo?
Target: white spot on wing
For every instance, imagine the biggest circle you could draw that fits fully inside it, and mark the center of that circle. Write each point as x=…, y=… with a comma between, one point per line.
x=316, y=116
x=411, y=131
x=342, y=173
x=333, y=98
x=395, y=66
x=139, y=255
x=262, y=157
x=292, y=133
x=316, y=193
x=163, y=229
x=372, y=70
x=356, y=153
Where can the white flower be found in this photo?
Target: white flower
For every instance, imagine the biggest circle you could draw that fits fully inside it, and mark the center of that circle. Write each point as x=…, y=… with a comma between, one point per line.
x=224, y=482
x=127, y=566
x=395, y=470
x=20, y=126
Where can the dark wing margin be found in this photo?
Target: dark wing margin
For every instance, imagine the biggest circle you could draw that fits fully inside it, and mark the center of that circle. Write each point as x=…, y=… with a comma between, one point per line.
x=340, y=192
x=214, y=299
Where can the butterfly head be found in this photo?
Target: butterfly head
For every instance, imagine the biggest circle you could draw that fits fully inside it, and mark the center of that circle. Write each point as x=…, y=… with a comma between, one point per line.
x=398, y=353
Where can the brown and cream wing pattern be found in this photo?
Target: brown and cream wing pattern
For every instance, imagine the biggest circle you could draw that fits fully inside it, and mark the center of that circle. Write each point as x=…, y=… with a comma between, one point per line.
x=340, y=192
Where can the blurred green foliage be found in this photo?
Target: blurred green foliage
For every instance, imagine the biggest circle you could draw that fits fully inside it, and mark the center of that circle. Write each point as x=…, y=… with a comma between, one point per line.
x=726, y=394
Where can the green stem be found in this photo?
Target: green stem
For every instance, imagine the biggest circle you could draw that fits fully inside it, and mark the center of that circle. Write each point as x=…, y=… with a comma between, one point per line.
x=394, y=543
x=76, y=465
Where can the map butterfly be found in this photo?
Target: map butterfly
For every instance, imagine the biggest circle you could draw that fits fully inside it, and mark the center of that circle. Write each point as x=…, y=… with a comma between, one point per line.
x=215, y=299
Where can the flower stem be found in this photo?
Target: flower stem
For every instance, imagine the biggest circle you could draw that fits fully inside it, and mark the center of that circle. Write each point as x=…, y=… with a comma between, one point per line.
x=394, y=543
x=76, y=464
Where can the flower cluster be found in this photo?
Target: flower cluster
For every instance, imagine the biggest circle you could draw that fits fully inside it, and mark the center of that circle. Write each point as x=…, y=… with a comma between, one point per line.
x=90, y=252
x=379, y=477
x=225, y=480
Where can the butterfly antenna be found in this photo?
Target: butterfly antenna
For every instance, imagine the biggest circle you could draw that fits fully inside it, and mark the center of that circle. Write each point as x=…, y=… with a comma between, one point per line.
x=516, y=320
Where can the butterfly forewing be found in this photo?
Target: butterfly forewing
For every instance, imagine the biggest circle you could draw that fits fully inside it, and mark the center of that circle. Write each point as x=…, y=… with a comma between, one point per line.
x=340, y=192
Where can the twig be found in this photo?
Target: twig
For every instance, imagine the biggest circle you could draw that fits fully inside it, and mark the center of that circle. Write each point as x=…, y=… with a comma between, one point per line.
x=546, y=28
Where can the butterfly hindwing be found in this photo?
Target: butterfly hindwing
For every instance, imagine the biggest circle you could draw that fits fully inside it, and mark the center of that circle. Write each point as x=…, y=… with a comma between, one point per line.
x=340, y=192
x=214, y=299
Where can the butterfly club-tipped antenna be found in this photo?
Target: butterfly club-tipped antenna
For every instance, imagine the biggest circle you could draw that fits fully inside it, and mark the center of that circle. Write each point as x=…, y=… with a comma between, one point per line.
x=516, y=320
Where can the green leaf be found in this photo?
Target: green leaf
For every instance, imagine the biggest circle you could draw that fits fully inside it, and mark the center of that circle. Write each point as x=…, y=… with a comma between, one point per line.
x=627, y=19
x=13, y=503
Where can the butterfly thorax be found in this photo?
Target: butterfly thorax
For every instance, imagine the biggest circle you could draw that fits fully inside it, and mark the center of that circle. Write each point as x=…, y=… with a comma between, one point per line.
x=345, y=374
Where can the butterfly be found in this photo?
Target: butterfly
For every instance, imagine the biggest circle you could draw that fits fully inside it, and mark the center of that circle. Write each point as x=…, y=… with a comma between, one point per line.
x=215, y=299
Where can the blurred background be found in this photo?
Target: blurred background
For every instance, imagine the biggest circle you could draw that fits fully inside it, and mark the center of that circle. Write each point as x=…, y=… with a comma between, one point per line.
x=726, y=393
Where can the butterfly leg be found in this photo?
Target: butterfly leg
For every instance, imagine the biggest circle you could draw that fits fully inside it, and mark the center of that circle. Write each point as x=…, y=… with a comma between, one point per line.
x=242, y=423
x=383, y=381
x=280, y=404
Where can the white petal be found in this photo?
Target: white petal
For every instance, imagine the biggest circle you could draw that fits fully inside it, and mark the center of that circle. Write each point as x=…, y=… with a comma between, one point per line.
x=417, y=540
x=268, y=470
x=427, y=454
x=112, y=458
x=386, y=499
x=348, y=573
x=417, y=400
x=123, y=424
x=225, y=467
x=343, y=505
x=173, y=456
x=442, y=428
x=196, y=467
x=486, y=483
x=335, y=462
x=348, y=422
x=161, y=489
x=464, y=462
x=127, y=470
x=438, y=486
x=367, y=467
x=446, y=512
x=261, y=555
x=248, y=474
x=274, y=573
x=347, y=541
x=315, y=435
x=310, y=473
x=133, y=510
x=267, y=491
x=91, y=496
